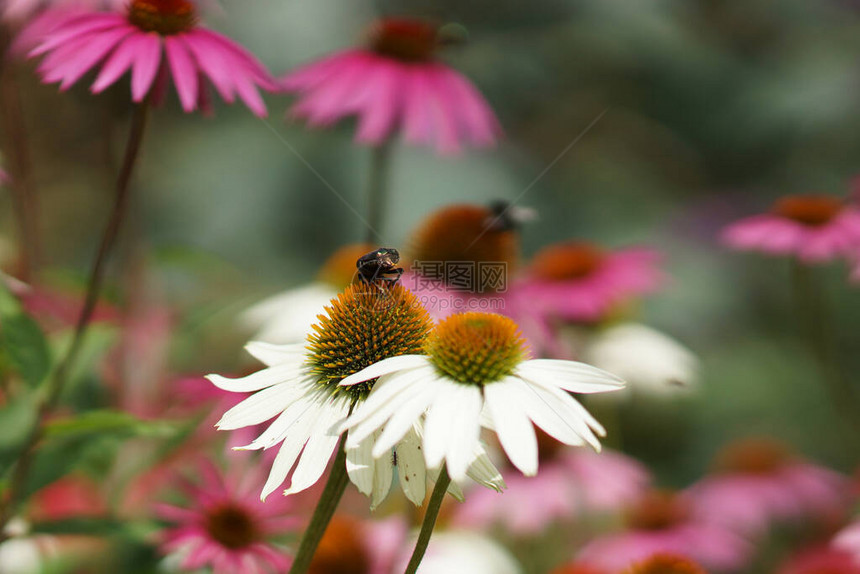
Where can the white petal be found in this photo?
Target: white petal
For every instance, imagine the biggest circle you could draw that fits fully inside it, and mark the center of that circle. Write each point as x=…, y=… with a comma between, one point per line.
x=290, y=449
x=410, y=468
x=387, y=395
x=287, y=317
x=484, y=472
x=259, y=380
x=385, y=367
x=466, y=419
x=271, y=354
x=295, y=414
x=359, y=464
x=383, y=474
x=454, y=489
x=557, y=414
x=406, y=416
x=569, y=375
x=262, y=406
x=319, y=448
x=513, y=426
x=441, y=431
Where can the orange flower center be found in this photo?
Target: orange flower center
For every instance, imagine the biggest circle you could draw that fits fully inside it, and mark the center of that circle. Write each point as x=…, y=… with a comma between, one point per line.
x=578, y=568
x=461, y=242
x=665, y=563
x=405, y=40
x=753, y=456
x=657, y=510
x=232, y=527
x=812, y=210
x=166, y=17
x=339, y=269
x=476, y=348
x=571, y=260
x=341, y=550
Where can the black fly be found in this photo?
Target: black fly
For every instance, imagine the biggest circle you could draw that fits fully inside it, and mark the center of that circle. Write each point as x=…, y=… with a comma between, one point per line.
x=379, y=265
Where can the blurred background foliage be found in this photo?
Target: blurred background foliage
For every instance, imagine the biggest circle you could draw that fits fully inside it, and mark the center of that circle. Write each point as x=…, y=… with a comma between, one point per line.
x=701, y=111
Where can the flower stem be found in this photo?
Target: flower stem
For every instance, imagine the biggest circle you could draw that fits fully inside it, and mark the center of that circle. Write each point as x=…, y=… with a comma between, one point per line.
x=60, y=374
x=377, y=186
x=818, y=326
x=429, y=520
x=330, y=498
x=17, y=148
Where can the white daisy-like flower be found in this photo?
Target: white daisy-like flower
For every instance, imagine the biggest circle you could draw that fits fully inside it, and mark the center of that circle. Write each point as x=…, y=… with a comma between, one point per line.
x=299, y=390
x=649, y=360
x=475, y=374
x=287, y=317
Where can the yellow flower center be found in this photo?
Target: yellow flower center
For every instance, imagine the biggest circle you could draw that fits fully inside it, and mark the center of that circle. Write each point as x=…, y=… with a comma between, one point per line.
x=476, y=348
x=339, y=269
x=657, y=510
x=666, y=563
x=570, y=260
x=166, y=17
x=232, y=527
x=753, y=456
x=811, y=210
x=363, y=325
x=465, y=235
x=341, y=550
x=405, y=40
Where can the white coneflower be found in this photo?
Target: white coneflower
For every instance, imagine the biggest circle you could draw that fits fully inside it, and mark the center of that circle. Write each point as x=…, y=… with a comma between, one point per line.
x=649, y=360
x=475, y=373
x=365, y=324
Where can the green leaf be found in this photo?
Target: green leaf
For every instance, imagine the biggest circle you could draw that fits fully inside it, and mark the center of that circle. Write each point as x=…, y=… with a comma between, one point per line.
x=22, y=341
x=16, y=419
x=116, y=423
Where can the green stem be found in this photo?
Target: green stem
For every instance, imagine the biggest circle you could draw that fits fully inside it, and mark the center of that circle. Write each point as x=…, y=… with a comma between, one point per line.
x=60, y=374
x=331, y=495
x=818, y=326
x=429, y=521
x=377, y=186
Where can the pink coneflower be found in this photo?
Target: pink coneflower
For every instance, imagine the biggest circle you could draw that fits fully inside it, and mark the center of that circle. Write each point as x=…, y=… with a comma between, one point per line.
x=578, y=282
x=23, y=10
x=571, y=483
x=661, y=522
x=226, y=527
x=394, y=83
x=758, y=481
x=813, y=228
x=155, y=40
x=821, y=560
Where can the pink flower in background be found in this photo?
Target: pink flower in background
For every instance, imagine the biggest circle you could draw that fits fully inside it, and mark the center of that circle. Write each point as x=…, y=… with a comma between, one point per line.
x=578, y=281
x=23, y=10
x=225, y=526
x=661, y=522
x=572, y=483
x=155, y=40
x=813, y=228
x=758, y=481
x=395, y=83
x=821, y=560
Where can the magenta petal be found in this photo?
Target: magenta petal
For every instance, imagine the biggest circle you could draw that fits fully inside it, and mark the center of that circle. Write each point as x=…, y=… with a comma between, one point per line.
x=116, y=65
x=477, y=119
x=443, y=113
x=324, y=104
x=76, y=27
x=382, y=104
x=212, y=63
x=243, y=58
x=145, y=67
x=184, y=73
x=310, y=75
x=416, y=113
x=89, y=55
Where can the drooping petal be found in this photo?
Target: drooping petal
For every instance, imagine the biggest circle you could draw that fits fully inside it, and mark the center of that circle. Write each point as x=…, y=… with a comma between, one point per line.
x=512, y=425
x=184, y=73
x=145, y=67
x=272, y=355
x=319, y=448
x=359, y=464
x=569, y=375
x=259, y=380
x=261, y=406
x=410, y=467
x=383, y=474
